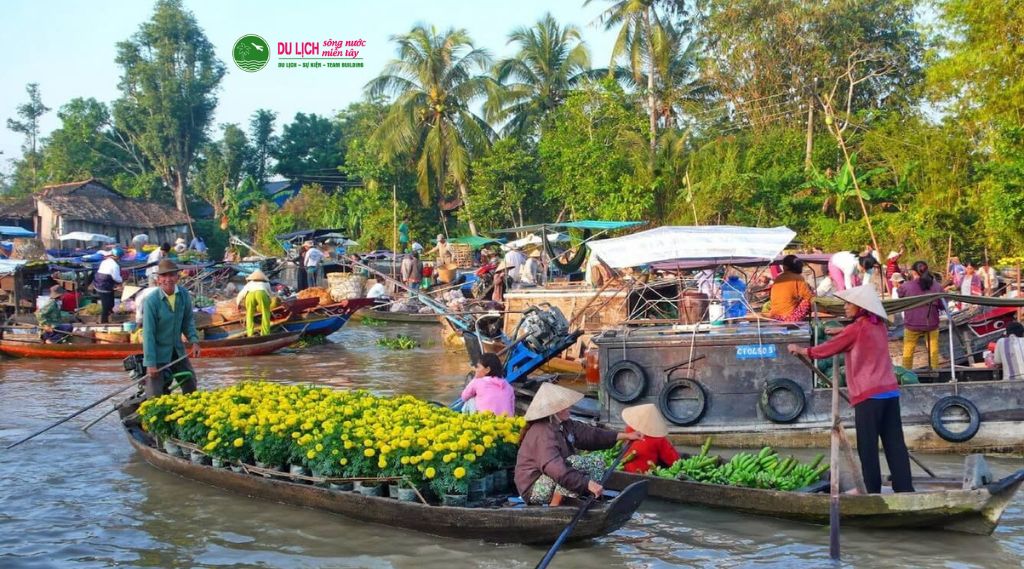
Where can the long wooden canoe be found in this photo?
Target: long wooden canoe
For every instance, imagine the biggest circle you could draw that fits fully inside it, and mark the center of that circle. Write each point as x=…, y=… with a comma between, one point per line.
x=937, y=504
x=529, y=525
x=239, y=347
x=405, y=317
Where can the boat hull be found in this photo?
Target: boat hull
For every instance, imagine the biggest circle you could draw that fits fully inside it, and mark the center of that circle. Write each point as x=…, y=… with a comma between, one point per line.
x=241, y=347
x=532, y=525
x=404, y=317
x=975, y=511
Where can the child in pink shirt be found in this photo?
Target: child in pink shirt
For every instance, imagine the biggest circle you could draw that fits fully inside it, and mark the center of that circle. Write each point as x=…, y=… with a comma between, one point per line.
x=489, y=391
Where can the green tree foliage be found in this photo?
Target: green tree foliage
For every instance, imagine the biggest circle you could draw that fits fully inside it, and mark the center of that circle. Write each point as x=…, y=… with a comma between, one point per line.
x=219, y=175
x=589, y=155
x=550, y=61
x=27, y=123
x=170, y=73
x=261, y=132
x=506, y=189
x=434, y=82
x=309, y=149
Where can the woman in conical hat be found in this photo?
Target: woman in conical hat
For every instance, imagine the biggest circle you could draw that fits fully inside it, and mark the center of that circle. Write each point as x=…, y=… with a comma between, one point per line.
x=871, y=382
x=654, y=449
x=257, y=297
x=547, y=459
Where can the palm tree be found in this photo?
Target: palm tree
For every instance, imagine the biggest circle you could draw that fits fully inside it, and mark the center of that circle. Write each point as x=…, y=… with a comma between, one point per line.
x=840, y=189
x=551, y=60
x=433, y=83
x=641, y=33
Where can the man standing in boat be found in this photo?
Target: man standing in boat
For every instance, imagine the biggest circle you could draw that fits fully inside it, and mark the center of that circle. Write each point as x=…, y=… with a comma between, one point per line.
x=166, y=316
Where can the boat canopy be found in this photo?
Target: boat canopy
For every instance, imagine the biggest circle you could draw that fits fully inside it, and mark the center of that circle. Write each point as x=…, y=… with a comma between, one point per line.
x=15, y=231
x=581, y=224
x=718, y=242
x=475, y=242
x=86, y=236
x=308, y=234
x=10, y=266
x=534, y=239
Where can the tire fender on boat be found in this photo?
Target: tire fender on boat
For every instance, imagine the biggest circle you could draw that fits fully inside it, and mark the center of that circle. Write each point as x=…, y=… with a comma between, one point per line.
x=973, y=418
x=782, y=384
x=625, y=370
x=691, y=416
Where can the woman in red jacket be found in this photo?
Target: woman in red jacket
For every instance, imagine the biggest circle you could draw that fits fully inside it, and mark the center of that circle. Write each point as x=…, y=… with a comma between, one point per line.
x=653, y=449
x=871, y=383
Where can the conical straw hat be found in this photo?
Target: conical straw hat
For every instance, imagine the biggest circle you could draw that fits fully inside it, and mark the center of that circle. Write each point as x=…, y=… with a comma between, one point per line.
x=645, y=419
x=257, y=275
x=865, y=297
x=551, y=399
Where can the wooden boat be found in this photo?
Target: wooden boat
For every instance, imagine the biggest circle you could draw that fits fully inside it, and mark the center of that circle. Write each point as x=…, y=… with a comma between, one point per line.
x=529, y=525
x=321, y=320
x=317, y=326
x=239, y=347
x=404, y=317
x=944, y=504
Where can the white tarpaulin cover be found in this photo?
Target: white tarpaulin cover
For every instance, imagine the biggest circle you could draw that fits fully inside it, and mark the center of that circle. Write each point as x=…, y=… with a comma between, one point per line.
x=86, y=236
x=534, y=239
x=685, y=242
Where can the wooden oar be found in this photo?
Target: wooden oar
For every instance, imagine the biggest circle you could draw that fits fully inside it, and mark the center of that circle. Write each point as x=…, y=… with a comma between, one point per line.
x=829, y=383
x=87, y=407
x=177, y=383
x=834, y=442
x=583, y=510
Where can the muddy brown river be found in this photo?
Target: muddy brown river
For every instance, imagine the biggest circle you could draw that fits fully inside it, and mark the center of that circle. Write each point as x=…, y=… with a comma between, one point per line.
x=74, y=499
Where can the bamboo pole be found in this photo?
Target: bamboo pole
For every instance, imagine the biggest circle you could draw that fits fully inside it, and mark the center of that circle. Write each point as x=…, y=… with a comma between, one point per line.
x=833, y=504
x=394, y=229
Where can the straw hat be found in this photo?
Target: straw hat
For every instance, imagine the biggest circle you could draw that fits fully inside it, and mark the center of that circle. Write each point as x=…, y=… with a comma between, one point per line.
x=167, y=266
x=180, y=240
x=551, y=399
x=898, y=278
x=893, y=255
x=440, y=237
x=865, y=297
x=129, y=291
x=501, y=267
x=257, y=275
x=107, y=253
x=56, y=291
x=307, y=243
x=646, y=420
x=535, y=253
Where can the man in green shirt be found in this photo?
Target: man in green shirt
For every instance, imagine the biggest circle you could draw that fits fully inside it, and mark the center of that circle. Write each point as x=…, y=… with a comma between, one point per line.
x=166, y=316
x=49, y=318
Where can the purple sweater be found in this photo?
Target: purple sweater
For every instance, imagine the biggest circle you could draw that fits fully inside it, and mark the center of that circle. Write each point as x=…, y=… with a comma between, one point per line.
x=923, y=318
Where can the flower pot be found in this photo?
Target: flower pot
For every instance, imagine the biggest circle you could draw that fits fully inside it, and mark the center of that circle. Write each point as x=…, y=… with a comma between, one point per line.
x=198, y=458
x=407, y=495
x=393, y=491
x=173, y=449
x=318, y=475
x=341, y=486
x=219, y=462
x=499, y=479
x=299, y=470
x=237, y=468
x=454, y=500
x=369, y=489
x=488, y=484
x=477, y=490
x=266, y=466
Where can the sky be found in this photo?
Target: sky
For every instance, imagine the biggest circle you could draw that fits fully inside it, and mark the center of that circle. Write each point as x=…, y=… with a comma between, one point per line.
x=68, y=47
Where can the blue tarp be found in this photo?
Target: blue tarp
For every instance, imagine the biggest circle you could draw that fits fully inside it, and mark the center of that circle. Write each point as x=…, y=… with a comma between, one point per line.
x=14, y=231
x=581, y=224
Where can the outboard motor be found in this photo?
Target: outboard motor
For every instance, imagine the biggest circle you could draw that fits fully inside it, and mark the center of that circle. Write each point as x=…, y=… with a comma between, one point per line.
x=542, y=327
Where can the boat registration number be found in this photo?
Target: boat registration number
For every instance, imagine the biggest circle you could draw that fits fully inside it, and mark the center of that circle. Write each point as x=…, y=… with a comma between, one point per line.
x=757, y=352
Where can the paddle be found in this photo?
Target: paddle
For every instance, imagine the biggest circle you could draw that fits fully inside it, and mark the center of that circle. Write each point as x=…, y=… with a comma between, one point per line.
x=824, y=378
x=87, y=407
x=177, y=383
x=583, y=510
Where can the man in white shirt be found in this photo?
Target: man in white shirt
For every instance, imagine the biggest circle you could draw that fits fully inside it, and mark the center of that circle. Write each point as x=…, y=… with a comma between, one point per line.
x=514, y=260
x=108, y=276
x=154, y=259
x=532, y=270
x=311, y=260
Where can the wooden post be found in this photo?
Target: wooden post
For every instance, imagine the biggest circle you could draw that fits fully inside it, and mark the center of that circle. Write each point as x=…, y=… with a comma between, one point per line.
x=394, y=229
x=833, y=504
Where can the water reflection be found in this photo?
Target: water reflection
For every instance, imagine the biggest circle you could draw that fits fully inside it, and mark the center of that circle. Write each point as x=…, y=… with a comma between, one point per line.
x=74, y=499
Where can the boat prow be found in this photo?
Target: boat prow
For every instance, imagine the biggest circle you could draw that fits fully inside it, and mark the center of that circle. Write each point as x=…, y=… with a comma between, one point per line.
x=521, y=524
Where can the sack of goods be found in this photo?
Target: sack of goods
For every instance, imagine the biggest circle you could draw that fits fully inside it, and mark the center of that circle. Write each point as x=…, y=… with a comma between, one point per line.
x=345, y=286
x=227, y=309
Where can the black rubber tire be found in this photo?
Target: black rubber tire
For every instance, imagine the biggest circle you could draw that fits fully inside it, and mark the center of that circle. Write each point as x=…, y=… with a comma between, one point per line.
x=632, y=394
x=782, y=384
x=973, y=416
x=665, y=397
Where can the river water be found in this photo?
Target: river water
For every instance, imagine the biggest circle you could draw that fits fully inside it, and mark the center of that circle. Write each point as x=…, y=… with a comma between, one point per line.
x=74, y=499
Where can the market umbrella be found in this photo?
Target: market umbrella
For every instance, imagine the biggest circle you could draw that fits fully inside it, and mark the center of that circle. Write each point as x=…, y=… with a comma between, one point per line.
x=86, y=236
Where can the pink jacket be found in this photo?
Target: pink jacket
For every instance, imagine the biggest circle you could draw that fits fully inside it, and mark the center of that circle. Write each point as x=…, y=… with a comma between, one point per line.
x=868, y=367
x=492, y=394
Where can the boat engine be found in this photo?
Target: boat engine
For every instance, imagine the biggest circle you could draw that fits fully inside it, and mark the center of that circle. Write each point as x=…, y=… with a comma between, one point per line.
x=542, y=327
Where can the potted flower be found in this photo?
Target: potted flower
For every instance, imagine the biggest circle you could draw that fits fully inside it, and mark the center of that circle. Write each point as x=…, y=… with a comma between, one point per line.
x=450, y=484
